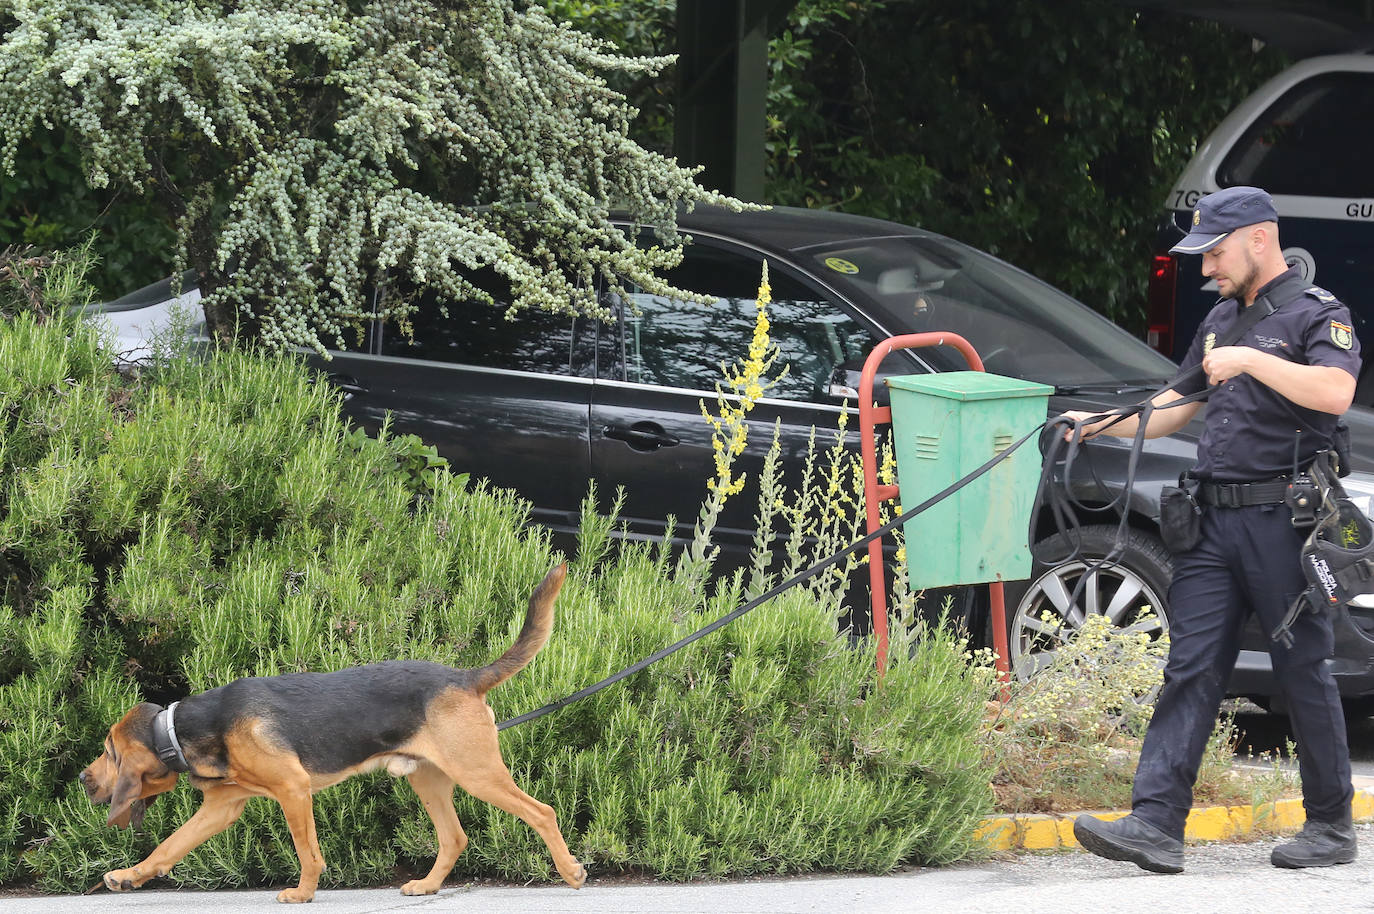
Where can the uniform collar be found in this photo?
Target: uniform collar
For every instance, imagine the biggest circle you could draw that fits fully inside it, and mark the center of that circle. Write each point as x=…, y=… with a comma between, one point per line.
x=1289, y=275
x=165, y=742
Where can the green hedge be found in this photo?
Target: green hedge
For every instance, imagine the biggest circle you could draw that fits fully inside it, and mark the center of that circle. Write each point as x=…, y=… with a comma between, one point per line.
x=216, y=519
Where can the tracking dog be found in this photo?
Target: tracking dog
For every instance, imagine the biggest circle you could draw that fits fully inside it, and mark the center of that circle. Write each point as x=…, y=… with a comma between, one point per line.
x=287, y=737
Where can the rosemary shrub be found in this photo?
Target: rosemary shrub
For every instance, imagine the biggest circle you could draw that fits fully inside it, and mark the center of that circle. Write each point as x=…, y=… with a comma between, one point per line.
x=314, y=152
x=207, y=520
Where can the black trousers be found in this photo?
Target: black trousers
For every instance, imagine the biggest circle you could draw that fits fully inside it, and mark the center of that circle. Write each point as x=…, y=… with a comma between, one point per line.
x=1246, y=561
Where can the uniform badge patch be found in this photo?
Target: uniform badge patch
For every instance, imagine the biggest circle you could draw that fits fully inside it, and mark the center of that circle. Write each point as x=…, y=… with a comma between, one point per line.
x=1343, y=335
x=1320, y=294
x=1197, y=216
x=1208, y=342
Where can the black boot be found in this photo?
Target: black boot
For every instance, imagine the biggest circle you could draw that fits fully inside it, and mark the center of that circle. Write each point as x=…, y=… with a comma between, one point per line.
x=1131, y=839
x=1318, y=844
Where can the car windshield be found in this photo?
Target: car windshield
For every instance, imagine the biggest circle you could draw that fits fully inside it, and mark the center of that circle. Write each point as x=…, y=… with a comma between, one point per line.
x=1019, y=325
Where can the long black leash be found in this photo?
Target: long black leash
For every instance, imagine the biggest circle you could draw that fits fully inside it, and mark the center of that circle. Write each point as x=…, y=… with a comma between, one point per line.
x=758, y=601
x=1253, y=315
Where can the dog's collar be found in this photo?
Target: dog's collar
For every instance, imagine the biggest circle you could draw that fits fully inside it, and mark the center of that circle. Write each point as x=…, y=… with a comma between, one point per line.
x=165, y=739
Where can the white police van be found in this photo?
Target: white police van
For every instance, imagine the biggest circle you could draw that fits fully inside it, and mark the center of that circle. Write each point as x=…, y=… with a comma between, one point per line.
x=1307, y=137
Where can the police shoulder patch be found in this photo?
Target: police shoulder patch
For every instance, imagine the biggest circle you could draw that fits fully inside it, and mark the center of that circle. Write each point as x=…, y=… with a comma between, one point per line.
x=1343, y=335
x=1320, y=294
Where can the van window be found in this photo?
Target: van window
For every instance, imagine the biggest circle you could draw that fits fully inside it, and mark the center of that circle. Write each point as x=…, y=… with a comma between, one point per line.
x=1314, y=141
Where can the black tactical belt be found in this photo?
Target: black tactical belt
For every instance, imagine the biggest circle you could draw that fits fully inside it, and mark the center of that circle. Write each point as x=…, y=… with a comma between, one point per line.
x=1242, y=494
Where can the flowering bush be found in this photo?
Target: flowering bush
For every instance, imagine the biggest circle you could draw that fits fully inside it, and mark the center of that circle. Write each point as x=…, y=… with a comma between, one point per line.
x=1068, y=738
x=316, y=151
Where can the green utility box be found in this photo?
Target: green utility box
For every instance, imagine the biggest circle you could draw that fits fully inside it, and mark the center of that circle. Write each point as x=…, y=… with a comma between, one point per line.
x=944, y=427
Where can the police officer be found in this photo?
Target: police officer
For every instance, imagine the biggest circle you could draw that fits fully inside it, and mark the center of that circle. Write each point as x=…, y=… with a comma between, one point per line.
x=1292, y=372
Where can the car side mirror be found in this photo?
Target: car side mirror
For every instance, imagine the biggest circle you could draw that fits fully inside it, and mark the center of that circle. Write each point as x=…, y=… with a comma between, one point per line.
x=844, y=385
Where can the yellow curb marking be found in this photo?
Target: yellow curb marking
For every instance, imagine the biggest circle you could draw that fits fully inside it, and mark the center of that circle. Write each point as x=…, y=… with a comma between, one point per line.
x=1211, y=823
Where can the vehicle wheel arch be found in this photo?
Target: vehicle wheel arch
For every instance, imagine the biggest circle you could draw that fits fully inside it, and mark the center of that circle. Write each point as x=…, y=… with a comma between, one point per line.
x=1129, y=591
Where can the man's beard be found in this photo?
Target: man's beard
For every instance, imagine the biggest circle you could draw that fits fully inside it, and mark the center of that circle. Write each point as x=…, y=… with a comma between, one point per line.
x=1247, y=283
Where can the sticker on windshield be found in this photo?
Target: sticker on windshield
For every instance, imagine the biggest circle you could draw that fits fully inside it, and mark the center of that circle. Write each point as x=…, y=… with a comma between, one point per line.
x=840, y=265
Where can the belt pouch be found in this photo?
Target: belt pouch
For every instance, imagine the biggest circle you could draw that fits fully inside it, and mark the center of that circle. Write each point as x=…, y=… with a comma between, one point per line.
x=1180, y=518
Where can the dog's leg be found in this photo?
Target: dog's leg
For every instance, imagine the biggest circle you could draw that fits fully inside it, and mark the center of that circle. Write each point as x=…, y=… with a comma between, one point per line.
x=220, y=809
x=299, y=809
x=435, y=790
x=480, y=771
x=499, y=789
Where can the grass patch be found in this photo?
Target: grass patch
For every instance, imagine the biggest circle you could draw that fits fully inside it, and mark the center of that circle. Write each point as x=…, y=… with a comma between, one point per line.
x=1069, y=738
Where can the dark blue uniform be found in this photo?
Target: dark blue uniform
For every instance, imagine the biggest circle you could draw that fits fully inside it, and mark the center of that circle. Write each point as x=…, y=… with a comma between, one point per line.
x=1247, y=561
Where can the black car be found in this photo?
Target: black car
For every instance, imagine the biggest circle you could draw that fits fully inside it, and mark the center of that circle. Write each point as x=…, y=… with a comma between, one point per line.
x=544, y=403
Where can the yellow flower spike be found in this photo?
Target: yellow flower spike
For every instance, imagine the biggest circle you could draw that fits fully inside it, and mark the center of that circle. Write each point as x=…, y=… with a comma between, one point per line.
x=749, y=381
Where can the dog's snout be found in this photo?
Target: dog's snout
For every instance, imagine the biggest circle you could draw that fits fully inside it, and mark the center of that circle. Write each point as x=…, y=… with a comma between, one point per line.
x=89, y=783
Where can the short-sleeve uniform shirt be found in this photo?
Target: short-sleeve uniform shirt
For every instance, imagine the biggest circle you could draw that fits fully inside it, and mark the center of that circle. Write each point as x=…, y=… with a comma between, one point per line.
x=1249, y=429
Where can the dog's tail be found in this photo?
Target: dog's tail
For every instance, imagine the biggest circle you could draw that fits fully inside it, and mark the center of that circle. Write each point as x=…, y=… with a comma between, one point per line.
x=533, y=634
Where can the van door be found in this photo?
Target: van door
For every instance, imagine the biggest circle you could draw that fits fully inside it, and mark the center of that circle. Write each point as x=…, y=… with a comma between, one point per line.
x=1305, y=138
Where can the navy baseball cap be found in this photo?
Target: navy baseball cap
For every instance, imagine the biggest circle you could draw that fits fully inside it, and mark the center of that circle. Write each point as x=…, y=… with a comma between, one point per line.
x=1218, y=215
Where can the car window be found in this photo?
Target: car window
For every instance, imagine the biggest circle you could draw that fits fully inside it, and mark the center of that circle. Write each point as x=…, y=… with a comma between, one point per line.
x=677, y=343
x=1019, y=326
x=473, y=332
x=1312, y=141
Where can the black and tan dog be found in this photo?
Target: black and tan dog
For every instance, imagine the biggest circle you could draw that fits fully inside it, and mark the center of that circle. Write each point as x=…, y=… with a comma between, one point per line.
x=286, y=737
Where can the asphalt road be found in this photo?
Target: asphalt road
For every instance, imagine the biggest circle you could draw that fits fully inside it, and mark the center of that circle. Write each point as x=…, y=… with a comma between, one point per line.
x=1218, y=878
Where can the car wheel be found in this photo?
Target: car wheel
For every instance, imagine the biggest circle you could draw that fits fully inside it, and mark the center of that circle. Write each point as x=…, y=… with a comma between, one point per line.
x=1132, y=593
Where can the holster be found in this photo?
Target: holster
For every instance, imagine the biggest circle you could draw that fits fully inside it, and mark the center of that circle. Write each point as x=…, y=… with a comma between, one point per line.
x=1180, y=516
x=1340, y=443
x=1338, y=557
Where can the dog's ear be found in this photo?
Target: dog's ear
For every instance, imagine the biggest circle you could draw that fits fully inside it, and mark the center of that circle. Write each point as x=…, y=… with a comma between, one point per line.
x=136, y=761
x=126, y=806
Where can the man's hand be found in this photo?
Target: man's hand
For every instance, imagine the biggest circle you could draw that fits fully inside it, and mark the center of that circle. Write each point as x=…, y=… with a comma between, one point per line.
x=1090, y=429
x=1321, y=387
x=1225, y=362
x=1161, y=422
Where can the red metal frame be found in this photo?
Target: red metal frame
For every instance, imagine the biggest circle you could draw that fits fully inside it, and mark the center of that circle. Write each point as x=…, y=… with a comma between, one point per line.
x=870, y=416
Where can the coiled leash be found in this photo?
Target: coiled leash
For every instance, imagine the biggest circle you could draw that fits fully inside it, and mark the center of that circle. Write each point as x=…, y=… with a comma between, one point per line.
x=1065, y=508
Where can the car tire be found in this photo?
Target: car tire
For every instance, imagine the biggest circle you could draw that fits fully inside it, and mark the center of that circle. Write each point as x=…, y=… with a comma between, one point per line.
x=1133, y=591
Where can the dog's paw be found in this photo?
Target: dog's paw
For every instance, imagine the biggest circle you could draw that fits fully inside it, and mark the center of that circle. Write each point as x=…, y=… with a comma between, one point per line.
x=578, y=878
x=295, y=896
x=123, y=880
x=419, y=887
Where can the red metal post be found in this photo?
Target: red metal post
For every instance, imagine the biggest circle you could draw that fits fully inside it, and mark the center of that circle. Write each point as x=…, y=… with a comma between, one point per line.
x=870, y=416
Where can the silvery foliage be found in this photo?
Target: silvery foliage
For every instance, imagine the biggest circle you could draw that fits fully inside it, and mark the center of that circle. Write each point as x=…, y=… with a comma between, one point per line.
x=332, y=143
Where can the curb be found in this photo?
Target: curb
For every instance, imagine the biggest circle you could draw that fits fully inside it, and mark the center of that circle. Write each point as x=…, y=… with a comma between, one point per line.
x=1039, y=831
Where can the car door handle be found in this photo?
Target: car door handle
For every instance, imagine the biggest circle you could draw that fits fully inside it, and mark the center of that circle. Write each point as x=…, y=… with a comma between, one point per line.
x=347, y=383
x=642, y=436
